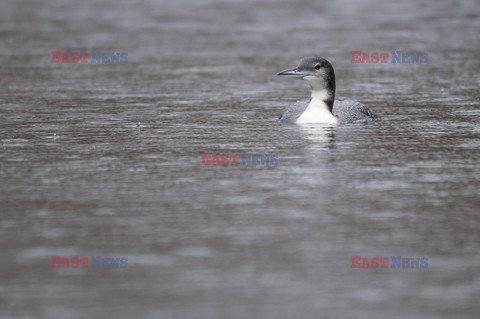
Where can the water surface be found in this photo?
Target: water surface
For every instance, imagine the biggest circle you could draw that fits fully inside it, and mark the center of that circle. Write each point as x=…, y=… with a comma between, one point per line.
x=105, y=160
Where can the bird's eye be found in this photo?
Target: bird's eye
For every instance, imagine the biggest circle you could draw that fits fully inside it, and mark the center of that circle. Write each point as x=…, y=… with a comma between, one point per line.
x=317, y=67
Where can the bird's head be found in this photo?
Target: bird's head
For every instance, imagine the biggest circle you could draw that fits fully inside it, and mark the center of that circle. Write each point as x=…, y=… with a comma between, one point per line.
x=316, y=70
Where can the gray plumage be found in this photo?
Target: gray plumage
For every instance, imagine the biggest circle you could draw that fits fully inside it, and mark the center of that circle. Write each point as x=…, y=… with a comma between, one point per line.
x=346, y=111
x=293, y=112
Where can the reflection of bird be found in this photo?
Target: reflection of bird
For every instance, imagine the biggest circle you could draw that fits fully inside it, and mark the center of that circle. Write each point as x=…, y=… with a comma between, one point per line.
x=322, y=108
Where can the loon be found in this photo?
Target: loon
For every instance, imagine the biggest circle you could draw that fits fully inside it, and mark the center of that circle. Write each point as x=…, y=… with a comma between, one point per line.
x=322, y=107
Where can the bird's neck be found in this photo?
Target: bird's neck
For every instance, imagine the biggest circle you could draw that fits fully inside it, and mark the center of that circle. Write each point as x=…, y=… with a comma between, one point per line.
x=323, y=96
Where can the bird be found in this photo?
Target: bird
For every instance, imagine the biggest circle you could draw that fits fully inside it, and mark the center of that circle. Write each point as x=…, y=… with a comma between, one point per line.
x=322, y=108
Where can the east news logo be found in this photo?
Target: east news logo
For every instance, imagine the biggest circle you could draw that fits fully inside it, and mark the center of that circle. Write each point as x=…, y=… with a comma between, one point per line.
x=97, y=57
x=83, y=262
x=247, y=159
x=383, y=262
x=397, y=57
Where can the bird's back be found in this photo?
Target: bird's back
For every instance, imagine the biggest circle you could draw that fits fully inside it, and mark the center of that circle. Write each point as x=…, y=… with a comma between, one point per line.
x=350, y=111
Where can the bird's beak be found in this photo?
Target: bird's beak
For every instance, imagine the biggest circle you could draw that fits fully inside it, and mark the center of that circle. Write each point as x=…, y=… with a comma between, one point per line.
x=292, y=73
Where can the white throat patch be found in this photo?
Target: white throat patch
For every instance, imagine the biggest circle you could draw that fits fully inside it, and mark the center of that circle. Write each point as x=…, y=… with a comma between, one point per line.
x=317, y=110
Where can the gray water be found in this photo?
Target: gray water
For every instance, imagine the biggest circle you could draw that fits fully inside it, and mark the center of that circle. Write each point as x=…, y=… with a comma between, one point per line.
x=105, y=160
